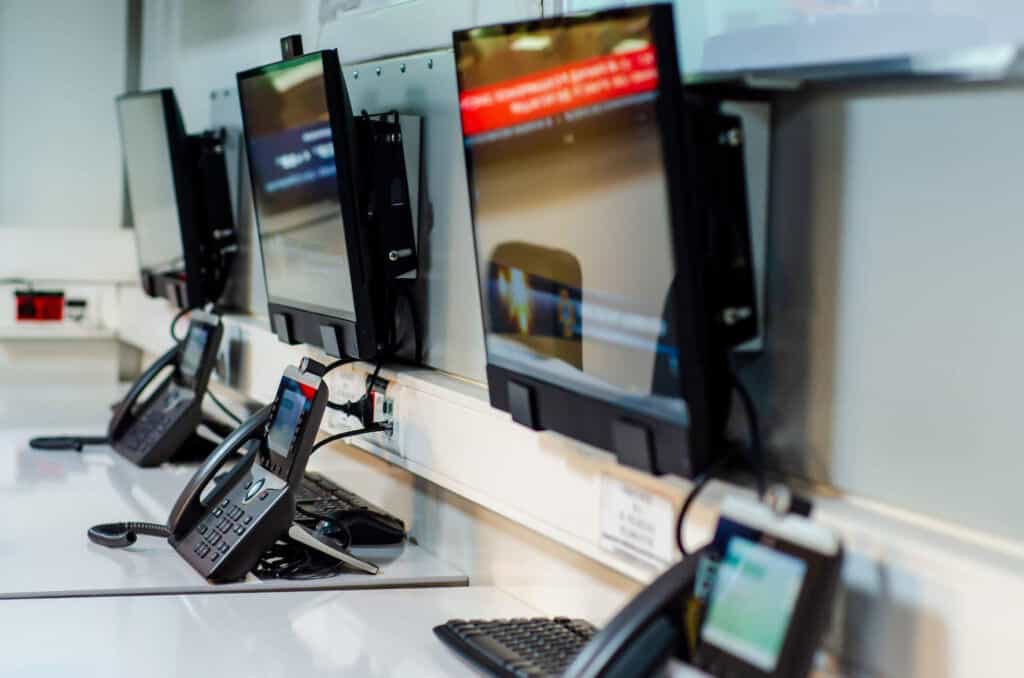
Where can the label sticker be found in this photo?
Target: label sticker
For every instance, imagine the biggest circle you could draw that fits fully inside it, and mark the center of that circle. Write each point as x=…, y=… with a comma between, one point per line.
x=636, y=524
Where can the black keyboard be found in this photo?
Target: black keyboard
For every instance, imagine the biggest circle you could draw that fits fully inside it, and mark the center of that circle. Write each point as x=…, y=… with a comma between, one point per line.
x=354, y=521
x=518, y=648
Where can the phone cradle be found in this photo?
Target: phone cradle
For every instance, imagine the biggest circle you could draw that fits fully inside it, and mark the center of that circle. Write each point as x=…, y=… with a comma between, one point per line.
x=330, y=547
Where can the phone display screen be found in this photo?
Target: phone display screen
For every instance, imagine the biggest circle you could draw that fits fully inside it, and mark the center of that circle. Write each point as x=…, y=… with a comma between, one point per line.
x=752, y=603
x=295, y=401
x=195, y=344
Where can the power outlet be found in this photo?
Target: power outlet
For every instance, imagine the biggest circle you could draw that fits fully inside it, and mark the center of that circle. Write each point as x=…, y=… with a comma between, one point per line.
x=383, y=404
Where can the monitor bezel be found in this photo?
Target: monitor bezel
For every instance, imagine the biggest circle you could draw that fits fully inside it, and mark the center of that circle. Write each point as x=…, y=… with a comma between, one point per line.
x=306, y=326
x=673, y=447
x=188, y=293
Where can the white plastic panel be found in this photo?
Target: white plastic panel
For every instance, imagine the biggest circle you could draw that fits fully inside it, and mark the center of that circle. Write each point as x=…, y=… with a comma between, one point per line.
x=737, y=34
x=427, y=88
x=367, y=28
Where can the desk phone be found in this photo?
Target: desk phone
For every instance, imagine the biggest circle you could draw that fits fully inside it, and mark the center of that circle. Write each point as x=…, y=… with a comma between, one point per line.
x=157, y=429
x=223, y=536
x=162, y=426
x=752, y=604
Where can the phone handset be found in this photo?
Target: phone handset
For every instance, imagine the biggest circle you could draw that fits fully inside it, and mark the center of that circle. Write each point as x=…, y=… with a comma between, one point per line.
x=121, y=419
x=646, y=632
x=189, y=508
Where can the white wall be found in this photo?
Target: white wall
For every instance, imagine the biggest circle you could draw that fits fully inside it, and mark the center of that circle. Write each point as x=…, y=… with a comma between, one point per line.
x=197, y=46
x=62, y=62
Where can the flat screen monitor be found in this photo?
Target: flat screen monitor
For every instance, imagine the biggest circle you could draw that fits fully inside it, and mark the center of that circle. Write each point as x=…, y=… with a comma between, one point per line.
x=160, y=175
x=586, y=255
x=300, y=140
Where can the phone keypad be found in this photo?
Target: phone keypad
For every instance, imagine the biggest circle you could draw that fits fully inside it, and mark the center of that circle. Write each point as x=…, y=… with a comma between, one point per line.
x=153, y=424
x=222, y=528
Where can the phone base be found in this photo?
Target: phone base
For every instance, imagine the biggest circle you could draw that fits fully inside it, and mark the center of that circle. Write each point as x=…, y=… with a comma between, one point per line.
x=196, y=448
x=330, y=547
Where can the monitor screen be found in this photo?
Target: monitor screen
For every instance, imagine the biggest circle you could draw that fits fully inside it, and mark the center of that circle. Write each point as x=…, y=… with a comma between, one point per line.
x=195, y=344
x=752, y=603
x=294, y=175
x=570, y=206
x=147, y=158
x=293, y=403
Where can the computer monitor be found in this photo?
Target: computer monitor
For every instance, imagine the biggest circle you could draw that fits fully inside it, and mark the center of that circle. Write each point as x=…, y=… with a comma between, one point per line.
x=587, y=231
x=301, y=143
x=184, y=226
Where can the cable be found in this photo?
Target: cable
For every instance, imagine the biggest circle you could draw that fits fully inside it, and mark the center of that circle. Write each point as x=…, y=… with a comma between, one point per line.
x=361, y=409
x=336, y=364
x=223, y=408
x=347, y=434
x=120, y=535
x=699, y=484
x=373, y=378
x=286, y=559
x=755, y=453
x=62, y=443
x=174, y=322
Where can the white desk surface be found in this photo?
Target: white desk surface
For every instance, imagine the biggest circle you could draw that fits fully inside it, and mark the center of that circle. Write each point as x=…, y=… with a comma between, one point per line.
x=49, y=499
x=308, y=634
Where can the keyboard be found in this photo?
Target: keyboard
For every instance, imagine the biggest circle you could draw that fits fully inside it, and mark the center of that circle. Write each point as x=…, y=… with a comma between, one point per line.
x=348, y=517
x=518, y=648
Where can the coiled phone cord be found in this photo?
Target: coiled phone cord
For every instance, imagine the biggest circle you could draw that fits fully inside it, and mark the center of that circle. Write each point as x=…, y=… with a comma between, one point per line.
x=120, y=535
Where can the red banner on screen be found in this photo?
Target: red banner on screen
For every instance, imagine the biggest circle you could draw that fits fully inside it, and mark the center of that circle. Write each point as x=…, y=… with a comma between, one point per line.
x=557, y=90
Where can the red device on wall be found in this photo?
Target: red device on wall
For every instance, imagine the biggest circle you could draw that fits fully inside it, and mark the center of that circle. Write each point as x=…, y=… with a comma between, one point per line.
x=39, y=305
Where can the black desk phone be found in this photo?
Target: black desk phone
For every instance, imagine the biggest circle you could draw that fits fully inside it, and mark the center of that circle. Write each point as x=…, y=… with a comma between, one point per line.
x=752, y=604
x=224, y=524
x=224, y=536
x=151, y=431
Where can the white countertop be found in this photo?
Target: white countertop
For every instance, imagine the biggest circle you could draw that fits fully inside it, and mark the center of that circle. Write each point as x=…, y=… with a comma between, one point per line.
x=49, y=499
x=308, y=634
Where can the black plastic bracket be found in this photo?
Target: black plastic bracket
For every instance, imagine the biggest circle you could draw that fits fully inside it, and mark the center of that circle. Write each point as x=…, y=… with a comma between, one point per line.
x=291, y=46
x=634, y=445
x=522, y=405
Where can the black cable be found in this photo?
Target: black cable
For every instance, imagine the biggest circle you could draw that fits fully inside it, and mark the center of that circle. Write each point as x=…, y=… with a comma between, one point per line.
x=286, y=559
x=371, y=382
x=120, y=535
x=223, y=408
x=698, y=486
x=755, y=452
x=333, y=366
x=358, y=408
x=347, y=434
x=336, y=364
x=174, y=322
x=62, y=443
